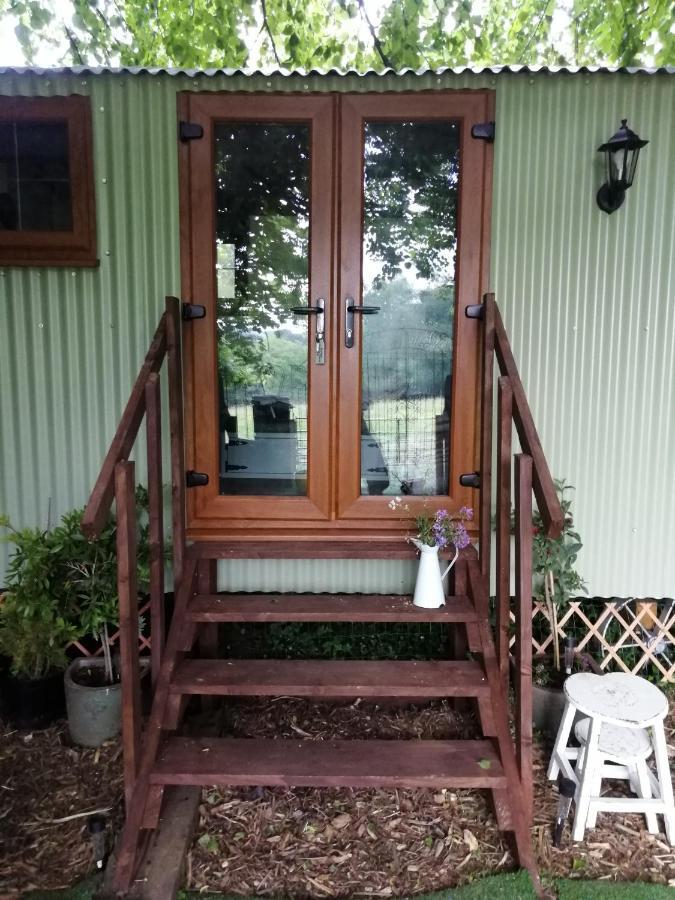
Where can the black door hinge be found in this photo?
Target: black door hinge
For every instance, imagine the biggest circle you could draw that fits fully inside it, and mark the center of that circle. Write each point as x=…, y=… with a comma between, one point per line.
x=470, y=479
x=191, y=311
x=196, y=479
x=190, y=131
x=475, y=311
x=484, y=131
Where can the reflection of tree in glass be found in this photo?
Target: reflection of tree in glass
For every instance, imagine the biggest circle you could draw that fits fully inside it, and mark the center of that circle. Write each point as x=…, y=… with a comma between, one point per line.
x=262, y=209
x=410, y=197
x=262, y=212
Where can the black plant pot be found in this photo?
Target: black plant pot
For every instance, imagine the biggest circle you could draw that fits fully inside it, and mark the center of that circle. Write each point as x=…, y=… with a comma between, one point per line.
x=32, y=703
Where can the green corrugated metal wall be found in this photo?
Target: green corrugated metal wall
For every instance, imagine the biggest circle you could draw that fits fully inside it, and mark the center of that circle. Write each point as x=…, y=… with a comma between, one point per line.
x=587, y=299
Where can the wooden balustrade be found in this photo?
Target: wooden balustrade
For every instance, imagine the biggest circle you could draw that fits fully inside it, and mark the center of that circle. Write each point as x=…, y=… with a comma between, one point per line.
x=532, y=475
x=116, y=481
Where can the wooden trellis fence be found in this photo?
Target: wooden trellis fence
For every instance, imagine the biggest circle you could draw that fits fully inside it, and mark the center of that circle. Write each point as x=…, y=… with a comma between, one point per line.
x=612, y=632
x=637, y=638
x=143, y=639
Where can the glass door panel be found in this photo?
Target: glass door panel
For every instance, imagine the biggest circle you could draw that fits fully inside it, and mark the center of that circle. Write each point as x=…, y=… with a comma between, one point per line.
x=262, y=263
x=260, y=210
x=412, y=226
x=410, y=193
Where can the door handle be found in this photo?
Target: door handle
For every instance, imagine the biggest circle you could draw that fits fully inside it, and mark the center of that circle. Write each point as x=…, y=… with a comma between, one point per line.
x=350, y=309
x=319, y=312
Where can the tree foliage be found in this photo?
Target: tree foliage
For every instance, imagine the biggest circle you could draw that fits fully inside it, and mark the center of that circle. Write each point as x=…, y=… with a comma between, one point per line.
x=347, y=33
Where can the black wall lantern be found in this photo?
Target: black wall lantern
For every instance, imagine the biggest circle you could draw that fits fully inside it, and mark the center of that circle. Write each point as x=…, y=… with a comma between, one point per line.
x=621, y=155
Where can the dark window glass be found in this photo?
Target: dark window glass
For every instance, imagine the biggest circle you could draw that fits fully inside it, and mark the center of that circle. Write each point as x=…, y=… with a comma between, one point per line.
x=262, y=250
x=35, y=190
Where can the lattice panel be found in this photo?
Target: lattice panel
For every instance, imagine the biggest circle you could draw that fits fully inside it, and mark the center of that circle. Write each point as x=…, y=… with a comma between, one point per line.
x=143, y=640
x=623, y=636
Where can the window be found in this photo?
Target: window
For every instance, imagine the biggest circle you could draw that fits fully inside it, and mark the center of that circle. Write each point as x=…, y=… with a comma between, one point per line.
x=47, y=214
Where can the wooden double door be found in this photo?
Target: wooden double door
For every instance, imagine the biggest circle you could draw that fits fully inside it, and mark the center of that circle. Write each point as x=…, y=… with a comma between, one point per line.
x=335, y=242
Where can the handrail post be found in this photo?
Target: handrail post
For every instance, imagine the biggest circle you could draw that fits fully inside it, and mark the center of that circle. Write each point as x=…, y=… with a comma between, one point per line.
x=523, y=685
x=153, y=422
x=127, y=588
x=487, y=389
x=173, y=336
x=504, y=449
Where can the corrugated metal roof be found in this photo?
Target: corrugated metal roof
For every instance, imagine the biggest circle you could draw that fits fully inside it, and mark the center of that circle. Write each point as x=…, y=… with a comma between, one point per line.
x=304, y=73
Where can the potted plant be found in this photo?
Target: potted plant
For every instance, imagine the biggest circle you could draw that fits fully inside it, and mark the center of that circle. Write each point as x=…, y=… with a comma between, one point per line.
x=36, y=625
x=92, y=686
x=555, y=581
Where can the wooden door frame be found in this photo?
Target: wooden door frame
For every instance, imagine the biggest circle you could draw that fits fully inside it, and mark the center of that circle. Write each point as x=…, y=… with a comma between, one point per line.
x=471, y=274
x=209, y=512
x=213, y=516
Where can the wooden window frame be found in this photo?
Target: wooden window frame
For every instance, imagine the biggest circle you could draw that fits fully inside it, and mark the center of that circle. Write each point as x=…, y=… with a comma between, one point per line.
x=76, y=247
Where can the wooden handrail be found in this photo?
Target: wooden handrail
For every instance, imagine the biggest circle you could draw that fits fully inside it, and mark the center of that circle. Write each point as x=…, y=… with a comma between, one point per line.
x=532, y=475
x=544, y=488
x=101, y=497
x=116, y=481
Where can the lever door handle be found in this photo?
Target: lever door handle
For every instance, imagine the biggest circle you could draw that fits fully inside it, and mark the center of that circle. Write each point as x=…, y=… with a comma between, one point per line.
x=350, y=309
x=364, y=310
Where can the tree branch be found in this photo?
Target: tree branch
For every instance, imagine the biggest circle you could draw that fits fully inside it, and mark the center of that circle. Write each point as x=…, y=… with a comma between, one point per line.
x=536, y=29
x=75, y=49
x=376, y=41
x=269, y=31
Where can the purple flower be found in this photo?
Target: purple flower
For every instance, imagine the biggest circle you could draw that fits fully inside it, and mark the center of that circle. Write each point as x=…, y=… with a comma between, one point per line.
x=461, y=537
x=466, y=513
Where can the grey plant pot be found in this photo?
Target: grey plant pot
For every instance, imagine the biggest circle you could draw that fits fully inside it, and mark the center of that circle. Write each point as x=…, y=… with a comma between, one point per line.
x=548, y=704
x=94, y=713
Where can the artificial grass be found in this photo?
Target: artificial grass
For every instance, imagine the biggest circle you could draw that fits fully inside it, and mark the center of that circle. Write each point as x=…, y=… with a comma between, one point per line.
x=621, y=890
x=511, y=886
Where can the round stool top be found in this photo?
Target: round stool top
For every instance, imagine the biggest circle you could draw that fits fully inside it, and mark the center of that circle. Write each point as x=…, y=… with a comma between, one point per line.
x=617, y=698
x=624, y=744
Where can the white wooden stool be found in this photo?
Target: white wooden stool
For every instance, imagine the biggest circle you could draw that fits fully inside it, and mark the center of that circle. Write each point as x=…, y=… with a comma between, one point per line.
x=628, y=704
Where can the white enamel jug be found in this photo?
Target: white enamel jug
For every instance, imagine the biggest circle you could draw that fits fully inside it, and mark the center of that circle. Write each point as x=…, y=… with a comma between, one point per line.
x=429, y=593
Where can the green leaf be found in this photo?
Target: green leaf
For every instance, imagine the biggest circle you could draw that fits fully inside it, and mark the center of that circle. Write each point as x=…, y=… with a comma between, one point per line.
x=208, y=842
x=485, y=763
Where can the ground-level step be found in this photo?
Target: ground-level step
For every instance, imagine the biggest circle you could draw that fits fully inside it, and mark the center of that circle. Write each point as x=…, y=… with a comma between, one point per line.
x=306, y=763
x=324, y=608
x=330, y=678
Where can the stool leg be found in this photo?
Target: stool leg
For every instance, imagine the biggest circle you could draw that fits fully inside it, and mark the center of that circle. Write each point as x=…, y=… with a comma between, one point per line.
x=588, y=778
x=665, y=784
x=581, y=760
x=596, y=788
x=558, y=758
x=644, y=790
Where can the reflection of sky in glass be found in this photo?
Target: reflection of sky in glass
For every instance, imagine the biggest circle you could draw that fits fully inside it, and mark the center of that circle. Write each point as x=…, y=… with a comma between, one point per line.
x=409, y=247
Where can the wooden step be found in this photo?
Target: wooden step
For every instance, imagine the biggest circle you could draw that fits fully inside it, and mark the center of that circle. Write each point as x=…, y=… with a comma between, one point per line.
x=324, y=608
x=307, y=763
x=308, y=546
x=330, y=678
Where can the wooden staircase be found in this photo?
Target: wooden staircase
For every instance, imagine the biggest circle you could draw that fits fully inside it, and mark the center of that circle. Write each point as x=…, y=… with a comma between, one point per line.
x=157, y=756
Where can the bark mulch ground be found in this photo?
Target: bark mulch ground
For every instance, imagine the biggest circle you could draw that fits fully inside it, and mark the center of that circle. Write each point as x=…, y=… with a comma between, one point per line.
x=304, y=842
x=44, y=782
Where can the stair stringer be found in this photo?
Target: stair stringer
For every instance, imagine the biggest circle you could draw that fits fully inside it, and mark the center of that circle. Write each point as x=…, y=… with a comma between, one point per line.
x=173, y=652
x=509, y=804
